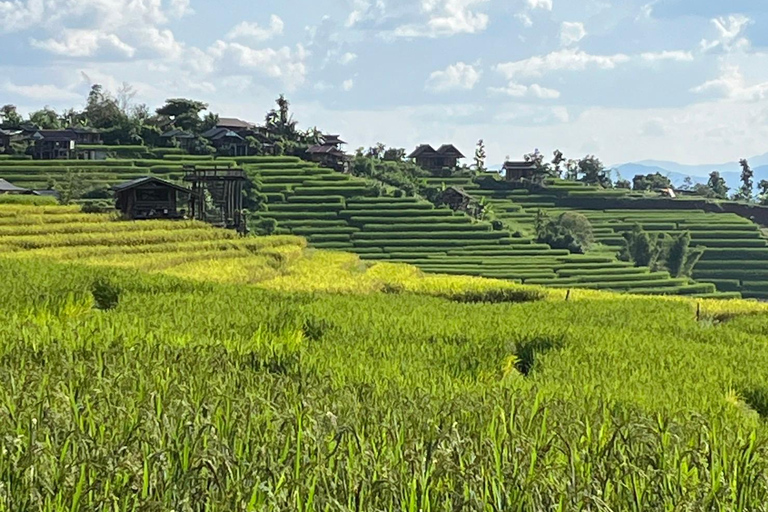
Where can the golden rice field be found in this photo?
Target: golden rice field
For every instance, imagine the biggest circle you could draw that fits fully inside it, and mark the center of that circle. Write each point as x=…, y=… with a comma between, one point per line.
x=156, y=366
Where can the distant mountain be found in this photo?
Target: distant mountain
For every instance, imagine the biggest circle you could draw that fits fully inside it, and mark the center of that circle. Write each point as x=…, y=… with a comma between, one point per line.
x=731, y=172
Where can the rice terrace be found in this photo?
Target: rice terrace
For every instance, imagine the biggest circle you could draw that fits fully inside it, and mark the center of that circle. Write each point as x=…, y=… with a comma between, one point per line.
x=204, y=313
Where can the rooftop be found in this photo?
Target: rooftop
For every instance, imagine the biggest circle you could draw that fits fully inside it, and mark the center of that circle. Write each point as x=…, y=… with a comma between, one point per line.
x=147, y=180
x=6, y=186
x=233, y=122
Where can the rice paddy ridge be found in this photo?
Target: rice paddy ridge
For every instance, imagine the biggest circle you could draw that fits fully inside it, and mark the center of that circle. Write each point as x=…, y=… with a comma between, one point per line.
x=736, y=254
x=337, y=211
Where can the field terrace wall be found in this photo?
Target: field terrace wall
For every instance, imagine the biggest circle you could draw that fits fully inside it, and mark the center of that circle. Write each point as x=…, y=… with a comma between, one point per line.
x=736, y=254
x=337, y=211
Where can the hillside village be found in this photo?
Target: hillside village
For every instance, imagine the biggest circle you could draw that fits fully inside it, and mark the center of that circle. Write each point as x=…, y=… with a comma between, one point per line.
x=559, y=222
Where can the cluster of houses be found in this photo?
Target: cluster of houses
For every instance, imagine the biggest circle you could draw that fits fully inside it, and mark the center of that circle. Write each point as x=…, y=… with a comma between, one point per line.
x=54, y=144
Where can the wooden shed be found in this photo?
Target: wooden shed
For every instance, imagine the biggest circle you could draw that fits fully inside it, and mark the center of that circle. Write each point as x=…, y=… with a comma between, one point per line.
x=149, y=198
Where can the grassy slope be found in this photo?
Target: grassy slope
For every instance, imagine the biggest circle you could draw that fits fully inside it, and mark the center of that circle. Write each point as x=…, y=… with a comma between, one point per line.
x=203, y=391
x=333, y=212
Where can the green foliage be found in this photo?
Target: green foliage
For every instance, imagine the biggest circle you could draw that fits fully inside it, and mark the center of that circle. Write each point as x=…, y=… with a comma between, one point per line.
x=106, y=294
x=184, y=113
x=681, y=258
x=571, y=231
x=648, y=182
x=480, y=156
x=194, y=396
x=71, y=186
x=45, y=119
x=745, y=192
x=716, y=185
x=661, y=251
x=641, y=248
x=10, y=118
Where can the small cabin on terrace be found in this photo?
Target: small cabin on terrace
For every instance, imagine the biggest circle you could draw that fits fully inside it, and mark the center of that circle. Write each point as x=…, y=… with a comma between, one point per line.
x=149, y=198
x=446, y=156
x=519, y=171
x=329, y=153
x=227, y=142
x=54, y=144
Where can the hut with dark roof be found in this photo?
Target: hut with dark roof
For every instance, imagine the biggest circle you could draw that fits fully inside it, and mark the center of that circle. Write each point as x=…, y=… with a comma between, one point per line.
x=54, y=144
x=149, y=198
x=445, y=157
x=519, y=171
x=227, y=142
x=329, y=153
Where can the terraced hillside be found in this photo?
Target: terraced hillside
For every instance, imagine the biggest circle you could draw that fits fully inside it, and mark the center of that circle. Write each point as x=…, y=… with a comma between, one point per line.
x=336, y=211
x=736, y=255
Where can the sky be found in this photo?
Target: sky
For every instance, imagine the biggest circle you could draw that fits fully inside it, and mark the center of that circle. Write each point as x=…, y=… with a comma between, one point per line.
x=626, y=80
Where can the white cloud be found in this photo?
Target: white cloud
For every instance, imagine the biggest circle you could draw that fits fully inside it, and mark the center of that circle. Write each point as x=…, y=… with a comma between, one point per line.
x=517, y=90
x=348, y=58
x=254, y=31
x=729, y=31
x=674, y=55
x=459, y=76
x=540, y=4
x=363, y=10
x=524, y=19
x=347, y=85
x=446, y=18
x=285, y=64
x=571, y=32
x=569, y=59
x=85, y=43
x=732, y=85
x=41, y=92
x=653, y=128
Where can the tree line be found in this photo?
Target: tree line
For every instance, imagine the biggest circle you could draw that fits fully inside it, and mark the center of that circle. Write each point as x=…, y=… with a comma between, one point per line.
x=121, y=121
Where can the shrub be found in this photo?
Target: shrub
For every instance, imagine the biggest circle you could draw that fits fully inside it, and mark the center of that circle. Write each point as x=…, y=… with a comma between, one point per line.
x=496, y=296
x=571, y=231
x=106, y=294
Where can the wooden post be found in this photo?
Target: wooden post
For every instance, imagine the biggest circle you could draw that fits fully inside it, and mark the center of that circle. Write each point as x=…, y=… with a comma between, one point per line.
x=568, y=295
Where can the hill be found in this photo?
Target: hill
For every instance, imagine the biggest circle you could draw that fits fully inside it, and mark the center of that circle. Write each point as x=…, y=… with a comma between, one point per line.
x=160, y=366
x=730, y=171
x=338, y=211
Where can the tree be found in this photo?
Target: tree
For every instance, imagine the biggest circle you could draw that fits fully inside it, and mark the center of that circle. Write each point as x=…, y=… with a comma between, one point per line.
x=747, y=186
x=763, y=185
x=71, y=187
x=557, y=161
x=625, y=184
x=680, y=258
x=10, y=119
x=280, y=120
x=571, y=231
x=209, y=121
x=480, y=156
x=649, y=182
x=102, y=110
x=716, y=185
x=377, y=151
x=184, y=113
x=687, y=184
x=394, y=155
x=641, y=248
x=45, y=119
x=593, y=172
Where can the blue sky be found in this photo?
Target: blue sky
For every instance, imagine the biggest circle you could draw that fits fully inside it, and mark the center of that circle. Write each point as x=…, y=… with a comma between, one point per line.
x=683, y=80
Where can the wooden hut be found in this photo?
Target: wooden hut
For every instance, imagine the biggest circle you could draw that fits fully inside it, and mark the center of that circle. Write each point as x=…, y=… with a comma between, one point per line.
x=518, y=171
x=445, y=157
x=149, y=198
x=224, y=186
